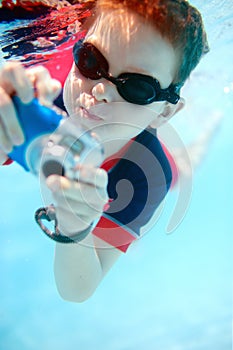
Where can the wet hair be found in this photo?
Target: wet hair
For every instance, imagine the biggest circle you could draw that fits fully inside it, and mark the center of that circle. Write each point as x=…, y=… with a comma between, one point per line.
x=177, y=21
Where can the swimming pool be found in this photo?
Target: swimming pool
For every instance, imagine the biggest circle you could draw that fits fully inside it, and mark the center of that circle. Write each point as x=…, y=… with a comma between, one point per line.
x=168, y=292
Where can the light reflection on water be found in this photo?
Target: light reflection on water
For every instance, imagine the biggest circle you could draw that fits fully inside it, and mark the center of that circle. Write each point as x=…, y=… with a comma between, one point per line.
x=169, y=293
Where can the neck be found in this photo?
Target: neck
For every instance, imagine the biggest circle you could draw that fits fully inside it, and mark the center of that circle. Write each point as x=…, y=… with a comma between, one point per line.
x=111, y=147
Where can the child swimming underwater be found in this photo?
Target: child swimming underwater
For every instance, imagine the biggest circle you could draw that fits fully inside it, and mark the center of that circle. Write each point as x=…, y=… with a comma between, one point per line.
x=124, y=83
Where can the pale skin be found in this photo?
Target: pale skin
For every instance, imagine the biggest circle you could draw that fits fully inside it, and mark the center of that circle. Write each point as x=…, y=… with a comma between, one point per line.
x=79, y=268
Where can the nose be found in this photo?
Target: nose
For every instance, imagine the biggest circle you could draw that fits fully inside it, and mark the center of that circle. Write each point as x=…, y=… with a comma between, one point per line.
x=105, y=91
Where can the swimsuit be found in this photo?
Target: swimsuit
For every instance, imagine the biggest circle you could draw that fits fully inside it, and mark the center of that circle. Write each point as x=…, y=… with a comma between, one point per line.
x=137, y=185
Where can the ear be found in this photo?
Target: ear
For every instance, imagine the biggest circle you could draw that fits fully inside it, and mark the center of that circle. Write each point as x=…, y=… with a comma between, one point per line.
x=167, y=113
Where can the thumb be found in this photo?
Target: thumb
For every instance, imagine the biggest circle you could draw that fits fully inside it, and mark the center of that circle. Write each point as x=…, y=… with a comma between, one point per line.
x=3, y=157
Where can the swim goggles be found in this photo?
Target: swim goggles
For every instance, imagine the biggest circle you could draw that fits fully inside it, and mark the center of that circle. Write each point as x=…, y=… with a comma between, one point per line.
x=133, y=87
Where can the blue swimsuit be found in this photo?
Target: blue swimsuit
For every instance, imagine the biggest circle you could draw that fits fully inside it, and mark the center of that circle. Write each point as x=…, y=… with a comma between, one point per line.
x=137, y=185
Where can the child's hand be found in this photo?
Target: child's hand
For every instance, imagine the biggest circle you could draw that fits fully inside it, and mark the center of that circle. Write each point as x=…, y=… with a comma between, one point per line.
x=79, y=202
x=26, y=83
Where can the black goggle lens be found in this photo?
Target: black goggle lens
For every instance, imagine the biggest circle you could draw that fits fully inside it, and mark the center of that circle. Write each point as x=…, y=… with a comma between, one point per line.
x=89, y=61
x=135, y=88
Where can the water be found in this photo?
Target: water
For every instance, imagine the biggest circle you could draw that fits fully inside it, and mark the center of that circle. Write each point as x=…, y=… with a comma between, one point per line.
x=169, y=291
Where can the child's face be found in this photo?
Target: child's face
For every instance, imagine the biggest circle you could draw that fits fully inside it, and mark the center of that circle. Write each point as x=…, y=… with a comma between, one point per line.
x=129, y=45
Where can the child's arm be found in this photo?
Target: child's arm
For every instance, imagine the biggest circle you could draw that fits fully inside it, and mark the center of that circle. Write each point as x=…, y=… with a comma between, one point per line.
x=78, y=267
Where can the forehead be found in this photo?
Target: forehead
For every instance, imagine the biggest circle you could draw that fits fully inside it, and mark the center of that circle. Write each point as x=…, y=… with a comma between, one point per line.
x=131, y=44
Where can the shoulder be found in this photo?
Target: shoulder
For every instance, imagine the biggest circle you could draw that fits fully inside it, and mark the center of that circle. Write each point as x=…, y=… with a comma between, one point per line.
x=145, y=158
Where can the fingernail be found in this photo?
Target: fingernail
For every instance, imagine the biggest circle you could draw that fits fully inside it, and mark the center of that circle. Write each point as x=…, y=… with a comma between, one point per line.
x=53, y=182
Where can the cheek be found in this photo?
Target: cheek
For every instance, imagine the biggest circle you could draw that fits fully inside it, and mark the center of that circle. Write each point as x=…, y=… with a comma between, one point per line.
x=69, y=93
x=126, y=114
x=73, y=87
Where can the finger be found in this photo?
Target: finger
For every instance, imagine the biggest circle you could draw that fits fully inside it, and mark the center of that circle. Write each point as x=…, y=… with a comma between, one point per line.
x=78, y=207
x=5, y=144
x=95, y=176
x=3, y=157
x=11, y=131
x=47, y=89
x=15, y=81
x=58, y=183
x=78, y=191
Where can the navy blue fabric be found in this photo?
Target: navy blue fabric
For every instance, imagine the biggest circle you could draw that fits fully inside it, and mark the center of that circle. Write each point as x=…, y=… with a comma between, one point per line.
x=139, y=182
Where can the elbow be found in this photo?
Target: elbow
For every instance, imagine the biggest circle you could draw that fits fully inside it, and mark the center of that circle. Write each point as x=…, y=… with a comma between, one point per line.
x=77, y=274
x=77, y=297
x=76, y=292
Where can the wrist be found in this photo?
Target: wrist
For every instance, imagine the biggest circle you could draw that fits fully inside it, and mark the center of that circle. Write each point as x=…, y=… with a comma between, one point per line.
x=49, y=214
x=76, y=236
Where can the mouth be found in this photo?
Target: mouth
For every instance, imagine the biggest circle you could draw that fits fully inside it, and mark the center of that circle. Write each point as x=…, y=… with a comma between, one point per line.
x=90, y=116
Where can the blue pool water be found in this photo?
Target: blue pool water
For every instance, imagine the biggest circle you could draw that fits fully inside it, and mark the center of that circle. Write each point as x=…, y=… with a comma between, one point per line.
x=168, y=292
